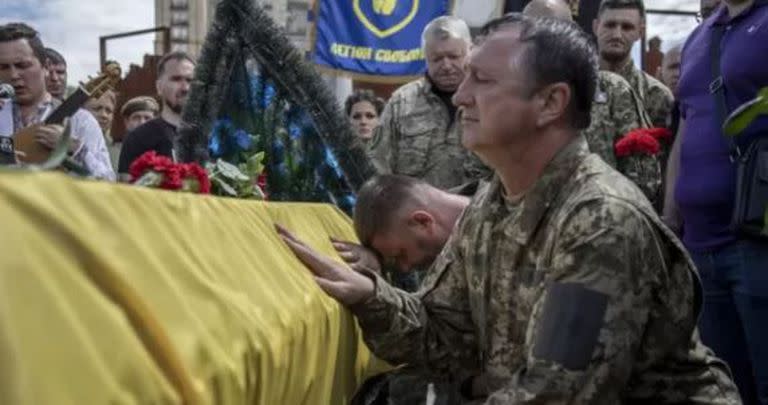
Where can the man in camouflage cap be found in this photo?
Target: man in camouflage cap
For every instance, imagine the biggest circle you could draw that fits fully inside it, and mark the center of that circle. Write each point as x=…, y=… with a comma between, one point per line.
x=619, y=24
x=616, y=111
x=418, y=135
x=559, y=284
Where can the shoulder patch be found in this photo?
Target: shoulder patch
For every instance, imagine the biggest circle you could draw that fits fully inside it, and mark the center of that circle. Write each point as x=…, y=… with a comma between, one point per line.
x=569, y=325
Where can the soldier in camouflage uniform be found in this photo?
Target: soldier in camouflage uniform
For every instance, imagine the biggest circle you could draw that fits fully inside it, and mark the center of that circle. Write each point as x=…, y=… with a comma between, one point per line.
x=618, y=26
x=559, y=284
x=418, y=135
x=616, y=111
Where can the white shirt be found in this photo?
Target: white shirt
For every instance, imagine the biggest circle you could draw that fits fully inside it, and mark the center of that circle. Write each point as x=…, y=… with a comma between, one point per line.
x=92, y=153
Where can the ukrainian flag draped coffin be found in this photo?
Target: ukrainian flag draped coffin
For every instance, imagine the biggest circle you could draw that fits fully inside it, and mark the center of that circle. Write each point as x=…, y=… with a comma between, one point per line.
x=112, y=294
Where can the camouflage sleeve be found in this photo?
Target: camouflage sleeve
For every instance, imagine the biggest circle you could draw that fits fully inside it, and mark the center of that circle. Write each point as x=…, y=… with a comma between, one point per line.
x=644, y=171
x=587, y=325
x=430, y=329
x=659, y=105
x=628, y=111
x=381, y=148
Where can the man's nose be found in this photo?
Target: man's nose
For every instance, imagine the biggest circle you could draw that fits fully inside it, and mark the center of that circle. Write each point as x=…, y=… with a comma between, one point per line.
x=461, y=97
x=14, y=73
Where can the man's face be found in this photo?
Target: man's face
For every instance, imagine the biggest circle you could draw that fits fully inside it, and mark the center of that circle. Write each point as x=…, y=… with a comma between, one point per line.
x=21, y=69
x=445, y=62
x=670, y=69
x=137, y=118
x=494, y=100
x=173, y=84
x=57, y=80
x=617, y=30
x=410, y=244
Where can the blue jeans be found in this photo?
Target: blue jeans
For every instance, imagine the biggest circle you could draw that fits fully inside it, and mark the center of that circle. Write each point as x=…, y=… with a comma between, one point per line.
x=734, y=321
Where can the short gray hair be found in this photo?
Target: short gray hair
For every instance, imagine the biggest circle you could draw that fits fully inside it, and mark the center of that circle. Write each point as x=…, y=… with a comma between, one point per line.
x=557, y=51
x=446, y=27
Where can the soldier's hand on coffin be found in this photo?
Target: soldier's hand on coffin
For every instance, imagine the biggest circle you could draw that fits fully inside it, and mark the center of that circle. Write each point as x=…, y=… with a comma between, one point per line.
x=357, y=256
x=336, y=279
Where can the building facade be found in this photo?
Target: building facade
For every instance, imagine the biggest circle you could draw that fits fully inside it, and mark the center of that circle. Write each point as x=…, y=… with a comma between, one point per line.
x=189, y=21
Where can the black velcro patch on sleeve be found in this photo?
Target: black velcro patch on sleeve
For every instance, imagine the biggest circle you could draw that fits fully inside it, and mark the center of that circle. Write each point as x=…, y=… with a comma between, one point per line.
x=569, y=325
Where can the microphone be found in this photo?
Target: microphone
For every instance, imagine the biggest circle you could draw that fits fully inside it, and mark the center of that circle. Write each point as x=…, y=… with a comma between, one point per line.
x=6, y=91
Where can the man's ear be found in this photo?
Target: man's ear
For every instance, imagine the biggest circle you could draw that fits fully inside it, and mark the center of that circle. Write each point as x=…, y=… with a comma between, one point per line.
x=595, y=24
x=553, y=103
x=421, y=218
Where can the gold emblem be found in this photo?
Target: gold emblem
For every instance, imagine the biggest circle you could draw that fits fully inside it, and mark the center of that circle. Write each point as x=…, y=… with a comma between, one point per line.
x=384, y=7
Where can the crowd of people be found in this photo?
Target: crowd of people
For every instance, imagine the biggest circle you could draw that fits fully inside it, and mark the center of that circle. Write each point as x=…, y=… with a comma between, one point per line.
x=38, y=76
x=534, y=261
x=405, y=219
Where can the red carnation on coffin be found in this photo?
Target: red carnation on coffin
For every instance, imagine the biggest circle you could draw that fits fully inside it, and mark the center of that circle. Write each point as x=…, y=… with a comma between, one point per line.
x=195, y=173
x=638, y=142
x=153, y=170
x=261, y=183
x=147, y=161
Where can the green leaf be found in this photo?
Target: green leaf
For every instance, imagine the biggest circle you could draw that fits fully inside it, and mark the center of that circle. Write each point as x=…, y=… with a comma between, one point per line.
x=257, y=193
x=743, y=116
x=230, y=171
x=255, y=165
x=149, y=179
x=59, y=153
x=226, y=188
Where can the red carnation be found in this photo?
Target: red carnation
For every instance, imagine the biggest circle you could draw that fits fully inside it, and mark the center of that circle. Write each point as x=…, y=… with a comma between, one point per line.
x=147, y=161
x=637, y=142
x=171, y=176
x=261, y=182
x=195, y=172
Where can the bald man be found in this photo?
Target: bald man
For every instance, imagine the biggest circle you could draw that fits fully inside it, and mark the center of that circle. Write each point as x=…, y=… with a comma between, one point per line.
x=669, y=71
x=549, y=8
x=616, y=110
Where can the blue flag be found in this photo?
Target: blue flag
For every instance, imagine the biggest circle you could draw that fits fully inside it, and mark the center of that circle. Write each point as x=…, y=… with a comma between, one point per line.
x=379, y=38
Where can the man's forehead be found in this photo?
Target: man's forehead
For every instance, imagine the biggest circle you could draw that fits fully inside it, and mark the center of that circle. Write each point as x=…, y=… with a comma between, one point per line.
x=18, y=48
x=178, y=66
x=446, y=45
x=499, y=45
x=627, y=14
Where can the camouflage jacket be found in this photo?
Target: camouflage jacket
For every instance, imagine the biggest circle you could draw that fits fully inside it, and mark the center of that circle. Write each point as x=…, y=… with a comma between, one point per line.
x=577, y=294
x=418, y=138
x=655, y=96
x=616, y=110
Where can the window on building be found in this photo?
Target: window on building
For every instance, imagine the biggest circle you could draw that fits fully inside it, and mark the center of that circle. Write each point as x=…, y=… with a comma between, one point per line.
x=179, y=33
x=179, y=18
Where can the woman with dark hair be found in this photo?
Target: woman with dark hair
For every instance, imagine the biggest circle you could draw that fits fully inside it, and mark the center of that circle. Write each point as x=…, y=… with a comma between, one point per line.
x=364, y=109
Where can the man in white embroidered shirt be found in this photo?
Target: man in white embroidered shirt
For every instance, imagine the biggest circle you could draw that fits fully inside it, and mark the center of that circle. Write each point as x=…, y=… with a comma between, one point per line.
x=22, y=65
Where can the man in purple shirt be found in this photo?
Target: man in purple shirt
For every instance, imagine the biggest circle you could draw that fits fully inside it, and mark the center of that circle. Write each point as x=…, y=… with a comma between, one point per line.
x=733, y=268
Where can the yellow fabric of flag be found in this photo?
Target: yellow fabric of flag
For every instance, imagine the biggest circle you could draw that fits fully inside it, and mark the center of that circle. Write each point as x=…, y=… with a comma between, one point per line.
x=114, y=294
